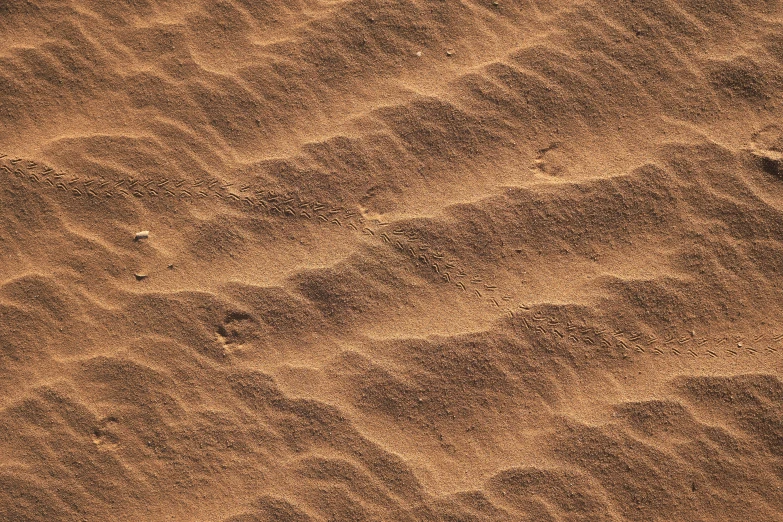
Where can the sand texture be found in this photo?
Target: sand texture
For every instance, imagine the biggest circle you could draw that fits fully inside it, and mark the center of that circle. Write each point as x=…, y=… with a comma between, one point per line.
x=391, y=260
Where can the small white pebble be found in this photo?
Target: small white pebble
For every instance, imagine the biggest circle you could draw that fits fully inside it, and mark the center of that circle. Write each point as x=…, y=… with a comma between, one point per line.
x=144, y=234
x=418, y=54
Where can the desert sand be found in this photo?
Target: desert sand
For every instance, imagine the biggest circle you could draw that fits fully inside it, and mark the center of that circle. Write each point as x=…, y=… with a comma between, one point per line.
x=391, y=260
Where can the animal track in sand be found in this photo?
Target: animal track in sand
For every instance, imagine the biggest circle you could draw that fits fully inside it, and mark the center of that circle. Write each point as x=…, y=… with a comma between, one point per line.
x=448, y=272
x=103, y=434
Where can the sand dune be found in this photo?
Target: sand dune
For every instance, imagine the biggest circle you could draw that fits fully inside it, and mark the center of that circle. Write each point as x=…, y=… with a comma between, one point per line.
x=406, y=261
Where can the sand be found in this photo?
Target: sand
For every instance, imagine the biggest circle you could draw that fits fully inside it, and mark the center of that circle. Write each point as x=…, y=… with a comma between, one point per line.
x=391, y=260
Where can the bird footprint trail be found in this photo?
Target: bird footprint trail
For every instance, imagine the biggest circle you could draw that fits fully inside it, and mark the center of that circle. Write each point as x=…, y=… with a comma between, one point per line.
x=448, y=273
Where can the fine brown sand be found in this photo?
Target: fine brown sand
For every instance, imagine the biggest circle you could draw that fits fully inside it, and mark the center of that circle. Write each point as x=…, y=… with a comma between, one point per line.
x=439, y=261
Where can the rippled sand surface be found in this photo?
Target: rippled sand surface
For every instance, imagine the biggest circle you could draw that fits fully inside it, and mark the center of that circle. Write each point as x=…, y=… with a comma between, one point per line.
x=406, y=260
